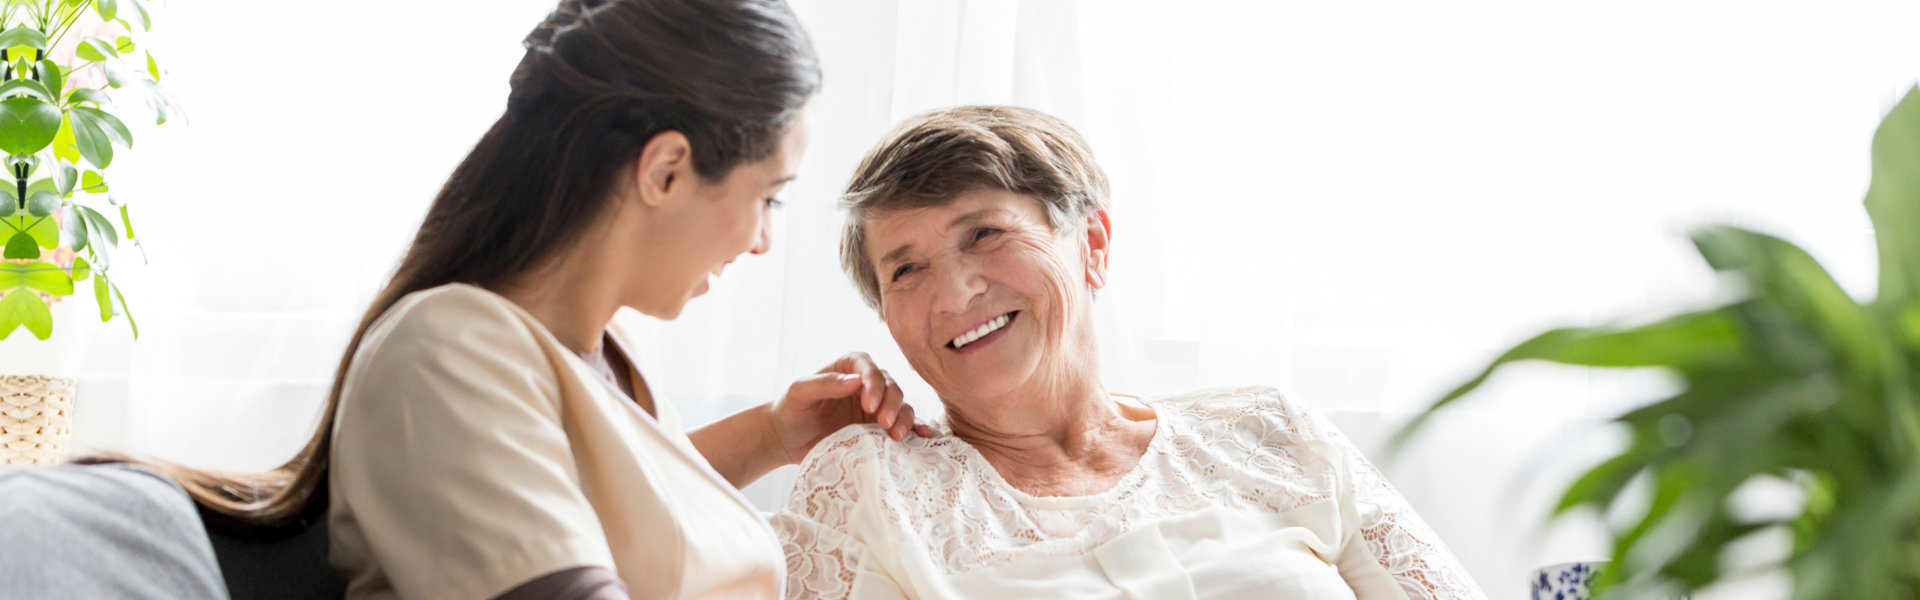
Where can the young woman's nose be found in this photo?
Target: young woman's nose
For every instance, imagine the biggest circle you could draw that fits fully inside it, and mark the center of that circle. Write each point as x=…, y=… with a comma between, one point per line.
x=763, y=241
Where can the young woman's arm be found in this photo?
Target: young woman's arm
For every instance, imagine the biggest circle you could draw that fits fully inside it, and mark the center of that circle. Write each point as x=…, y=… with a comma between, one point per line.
x=580, y=583
x=748, y=444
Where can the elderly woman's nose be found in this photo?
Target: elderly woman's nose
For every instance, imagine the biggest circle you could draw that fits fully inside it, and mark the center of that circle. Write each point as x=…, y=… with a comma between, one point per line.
x=958, y=286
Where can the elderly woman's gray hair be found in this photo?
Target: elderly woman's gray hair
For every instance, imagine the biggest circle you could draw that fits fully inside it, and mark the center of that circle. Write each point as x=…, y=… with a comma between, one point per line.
x=935, y=157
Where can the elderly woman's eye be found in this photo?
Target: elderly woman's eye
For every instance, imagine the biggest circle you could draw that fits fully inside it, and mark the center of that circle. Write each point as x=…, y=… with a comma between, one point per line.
x=901, y=271
x=983, y=232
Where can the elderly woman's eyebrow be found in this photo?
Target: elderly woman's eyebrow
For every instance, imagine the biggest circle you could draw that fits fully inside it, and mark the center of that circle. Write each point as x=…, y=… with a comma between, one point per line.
x=896, y=254
x=973, y=218
x=966, y=220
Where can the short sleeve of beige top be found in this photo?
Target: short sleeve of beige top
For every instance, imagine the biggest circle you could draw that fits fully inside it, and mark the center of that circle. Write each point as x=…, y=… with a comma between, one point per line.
x=473, y=452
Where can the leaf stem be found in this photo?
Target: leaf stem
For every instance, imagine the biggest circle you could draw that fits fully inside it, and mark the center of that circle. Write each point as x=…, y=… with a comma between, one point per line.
x=71, y=18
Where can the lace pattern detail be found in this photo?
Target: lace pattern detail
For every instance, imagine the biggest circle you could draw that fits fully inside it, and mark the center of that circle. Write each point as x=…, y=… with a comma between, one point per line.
x=1242, y=448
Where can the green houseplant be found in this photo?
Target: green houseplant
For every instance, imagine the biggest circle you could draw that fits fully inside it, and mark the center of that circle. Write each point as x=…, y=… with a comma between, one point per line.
x=67, y=74
x=1795, y=382
x=62, y=94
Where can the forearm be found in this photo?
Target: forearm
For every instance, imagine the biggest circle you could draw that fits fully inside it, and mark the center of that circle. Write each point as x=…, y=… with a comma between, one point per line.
x=743, y=446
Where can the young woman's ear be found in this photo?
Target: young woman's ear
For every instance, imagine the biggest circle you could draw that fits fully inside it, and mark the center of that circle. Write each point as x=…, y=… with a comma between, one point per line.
x=664, y=170
x=1099, y=240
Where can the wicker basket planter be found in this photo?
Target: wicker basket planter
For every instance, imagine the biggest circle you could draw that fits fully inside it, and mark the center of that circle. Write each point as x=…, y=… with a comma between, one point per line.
x=38, y=383
x=36, y=418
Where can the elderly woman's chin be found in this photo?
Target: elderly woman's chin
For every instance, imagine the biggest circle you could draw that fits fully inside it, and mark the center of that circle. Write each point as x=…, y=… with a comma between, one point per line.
x=991, y=366
x=1040, y=482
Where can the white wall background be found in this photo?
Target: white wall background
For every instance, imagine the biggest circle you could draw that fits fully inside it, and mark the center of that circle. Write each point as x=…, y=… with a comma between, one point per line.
x=1357, y=202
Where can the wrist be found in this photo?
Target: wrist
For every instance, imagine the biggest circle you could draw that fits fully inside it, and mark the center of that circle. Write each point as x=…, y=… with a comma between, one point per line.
x=771, y=445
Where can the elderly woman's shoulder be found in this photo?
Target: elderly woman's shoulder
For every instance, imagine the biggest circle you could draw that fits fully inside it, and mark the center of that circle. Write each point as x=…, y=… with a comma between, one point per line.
x=870, y=442
x=843, y=466
x=862, y=440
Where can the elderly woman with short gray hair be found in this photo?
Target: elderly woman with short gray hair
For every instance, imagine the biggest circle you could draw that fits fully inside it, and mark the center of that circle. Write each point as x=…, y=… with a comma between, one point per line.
x=980, y=235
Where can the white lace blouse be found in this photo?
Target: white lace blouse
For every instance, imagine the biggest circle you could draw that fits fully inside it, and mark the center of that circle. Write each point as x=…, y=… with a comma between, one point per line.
x=1242, y=493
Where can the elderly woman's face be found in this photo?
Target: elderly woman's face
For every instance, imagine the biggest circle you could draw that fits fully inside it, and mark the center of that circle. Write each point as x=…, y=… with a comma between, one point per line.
x=981, y=293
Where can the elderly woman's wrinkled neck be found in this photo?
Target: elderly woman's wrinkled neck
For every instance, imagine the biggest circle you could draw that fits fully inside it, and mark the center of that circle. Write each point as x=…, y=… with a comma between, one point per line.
x=1082, y=448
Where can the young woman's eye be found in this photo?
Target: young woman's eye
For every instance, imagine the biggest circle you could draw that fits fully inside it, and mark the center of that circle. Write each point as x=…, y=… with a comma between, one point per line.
x=901, y=271
x=775, y=203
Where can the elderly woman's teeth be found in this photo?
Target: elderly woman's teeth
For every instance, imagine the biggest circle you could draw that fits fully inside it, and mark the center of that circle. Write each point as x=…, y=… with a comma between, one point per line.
x=717, y=270
x=977, y=333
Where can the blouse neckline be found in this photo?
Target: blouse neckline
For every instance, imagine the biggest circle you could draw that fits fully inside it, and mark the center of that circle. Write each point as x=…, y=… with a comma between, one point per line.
x=1125, y=484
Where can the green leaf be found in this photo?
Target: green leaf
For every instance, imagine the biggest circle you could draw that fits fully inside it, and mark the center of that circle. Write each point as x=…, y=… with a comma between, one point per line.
x=150, y=93
x=64, y=146
x=100, y=296
x=124, y=309
x=95, y=96
x=123, y=45
x=1686, y=342
x=116, y=76
x=28, y=87
x=75, y=228
x=43, y=203
x=44, y=184
x=22, y=308
x=126, y=220
x=1805, y=315
x=102, y=228
x=115, y=130
x=92, y=183
x=153, y=68
x=95, y=50
x=1893, y=201
x=1910, y=324
x=44, y=276
x=146, y=21
x=106, y=8
x=81, y=270
x=95, y=131
x=1600, y=485
x=23, y=36
x=44, y=231
x=22, y=247
x=27, y=125
x=52, y=76
x=9, y=199
x=64, y=176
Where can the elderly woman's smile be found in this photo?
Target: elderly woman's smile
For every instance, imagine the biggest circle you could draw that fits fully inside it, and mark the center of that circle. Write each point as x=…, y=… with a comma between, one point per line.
x=983, y=293
x=980, y=234
x=986, y=333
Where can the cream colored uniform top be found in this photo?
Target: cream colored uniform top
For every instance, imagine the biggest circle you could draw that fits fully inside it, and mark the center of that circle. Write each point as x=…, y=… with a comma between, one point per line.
x=472, y=452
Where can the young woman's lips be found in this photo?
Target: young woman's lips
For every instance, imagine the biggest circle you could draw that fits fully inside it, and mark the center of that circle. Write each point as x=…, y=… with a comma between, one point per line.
x=989, y=338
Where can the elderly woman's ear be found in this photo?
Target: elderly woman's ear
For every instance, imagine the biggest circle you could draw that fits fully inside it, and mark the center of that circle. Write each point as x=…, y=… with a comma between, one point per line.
x=1099, y=236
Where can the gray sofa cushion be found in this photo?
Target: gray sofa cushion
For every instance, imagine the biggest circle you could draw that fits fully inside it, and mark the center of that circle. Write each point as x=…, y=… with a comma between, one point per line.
x=103, y=531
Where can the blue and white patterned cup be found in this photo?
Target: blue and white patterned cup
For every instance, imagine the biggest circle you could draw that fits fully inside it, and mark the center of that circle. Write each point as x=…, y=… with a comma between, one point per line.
x=1564, y=581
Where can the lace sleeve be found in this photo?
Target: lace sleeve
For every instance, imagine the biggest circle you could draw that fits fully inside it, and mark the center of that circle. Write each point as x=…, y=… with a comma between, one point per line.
x=822, y=558
x=1403, y=544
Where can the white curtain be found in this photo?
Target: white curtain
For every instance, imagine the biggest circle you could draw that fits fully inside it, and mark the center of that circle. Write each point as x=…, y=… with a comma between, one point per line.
x=1357, y=202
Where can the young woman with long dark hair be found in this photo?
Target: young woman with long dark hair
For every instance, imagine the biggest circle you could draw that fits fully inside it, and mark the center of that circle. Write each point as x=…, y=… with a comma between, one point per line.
x=489, y=432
